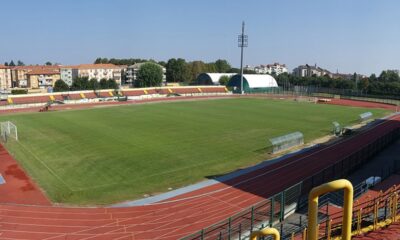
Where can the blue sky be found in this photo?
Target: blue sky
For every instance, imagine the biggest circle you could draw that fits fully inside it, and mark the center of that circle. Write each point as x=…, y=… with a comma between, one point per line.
x=349, y=35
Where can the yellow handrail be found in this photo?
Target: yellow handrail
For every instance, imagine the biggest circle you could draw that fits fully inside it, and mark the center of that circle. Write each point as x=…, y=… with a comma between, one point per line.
x=265, y=232
x=312, y=232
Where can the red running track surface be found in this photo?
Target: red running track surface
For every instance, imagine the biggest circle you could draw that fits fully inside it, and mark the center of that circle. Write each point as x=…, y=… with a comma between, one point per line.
x=182, y=215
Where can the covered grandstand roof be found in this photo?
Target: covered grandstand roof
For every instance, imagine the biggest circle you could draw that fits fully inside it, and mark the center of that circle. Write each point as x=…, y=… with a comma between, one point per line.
x=211, y=78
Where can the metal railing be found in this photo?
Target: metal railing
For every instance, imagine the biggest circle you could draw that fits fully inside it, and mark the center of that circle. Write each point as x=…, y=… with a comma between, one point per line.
x=270, y=212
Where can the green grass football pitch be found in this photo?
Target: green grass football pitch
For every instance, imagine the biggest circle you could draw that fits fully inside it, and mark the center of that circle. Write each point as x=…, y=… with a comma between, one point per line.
x=111, y=154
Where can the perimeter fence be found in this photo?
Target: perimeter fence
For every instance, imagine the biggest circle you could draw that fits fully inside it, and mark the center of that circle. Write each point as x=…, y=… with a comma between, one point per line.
x=272, y=211
x=322, y=92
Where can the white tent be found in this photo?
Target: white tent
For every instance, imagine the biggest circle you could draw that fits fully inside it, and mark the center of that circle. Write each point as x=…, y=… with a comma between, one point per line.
x=260, y=80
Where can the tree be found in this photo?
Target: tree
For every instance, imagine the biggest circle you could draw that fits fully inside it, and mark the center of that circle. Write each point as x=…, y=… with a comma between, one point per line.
x=176, y=70
x=112, y=84
x=93, y=84
x=223, y=80
x=60, y=86
x=48, y=63
x=222, y=66
x=103, y=83
x=234, y=70
x=5, y=63
x=80, y=83
x=364, y=83
x=149, y=75
x=12, y=64
x=372, y=78
x=20, y=63
x=194, y=69
x=97, y=61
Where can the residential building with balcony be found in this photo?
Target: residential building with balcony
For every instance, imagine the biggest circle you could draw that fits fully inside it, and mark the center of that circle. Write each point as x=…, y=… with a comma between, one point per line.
x=275, y=68
x=42, y=78
x=100, y=71
x=5, y=77
x=309, y=71
x=19, y=74
x=68, y=74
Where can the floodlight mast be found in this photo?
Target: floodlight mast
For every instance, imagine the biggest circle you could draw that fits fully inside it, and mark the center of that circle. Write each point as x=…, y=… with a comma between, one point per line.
x=242, y=43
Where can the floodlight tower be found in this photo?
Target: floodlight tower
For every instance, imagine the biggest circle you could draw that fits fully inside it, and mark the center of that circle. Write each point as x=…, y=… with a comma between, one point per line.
x=242, y=43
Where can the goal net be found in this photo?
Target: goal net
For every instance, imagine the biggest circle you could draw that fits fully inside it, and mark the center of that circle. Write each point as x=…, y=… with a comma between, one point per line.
x=8, y=130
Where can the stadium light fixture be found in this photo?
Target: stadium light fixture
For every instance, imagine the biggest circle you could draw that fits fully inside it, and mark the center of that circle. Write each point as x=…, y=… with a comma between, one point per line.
x=242, y=43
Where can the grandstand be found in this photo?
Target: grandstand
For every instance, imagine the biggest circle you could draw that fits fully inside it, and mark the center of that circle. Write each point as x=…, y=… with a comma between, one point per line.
x=29, y=100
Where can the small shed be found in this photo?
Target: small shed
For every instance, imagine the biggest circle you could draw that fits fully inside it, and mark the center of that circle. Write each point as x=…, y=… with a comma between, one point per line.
x=253, y=83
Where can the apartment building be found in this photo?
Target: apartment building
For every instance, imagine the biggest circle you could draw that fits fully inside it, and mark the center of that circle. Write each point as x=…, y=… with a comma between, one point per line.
x=100, y=71
x=19, y=74
x=308, y=71
x=68, y=74
x=42, y=78
x=275, y=68
x=5, y=77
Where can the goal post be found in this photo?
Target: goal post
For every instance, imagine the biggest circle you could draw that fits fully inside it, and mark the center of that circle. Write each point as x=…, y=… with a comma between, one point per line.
x=8, y=129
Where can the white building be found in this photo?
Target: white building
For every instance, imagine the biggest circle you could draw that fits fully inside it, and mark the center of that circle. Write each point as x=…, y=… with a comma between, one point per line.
x=275, y=68
x=5, y=77
x=100, y=71
x=68, y=74
x=309, y=71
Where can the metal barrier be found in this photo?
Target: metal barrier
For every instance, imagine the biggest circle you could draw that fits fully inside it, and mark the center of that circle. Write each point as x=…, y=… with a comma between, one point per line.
x=313, y=207
x=270, y=211
x=265, y=232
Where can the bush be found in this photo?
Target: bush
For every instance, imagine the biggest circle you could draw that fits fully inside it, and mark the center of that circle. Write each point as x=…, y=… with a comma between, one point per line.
x=19, y=91
x=223, y=80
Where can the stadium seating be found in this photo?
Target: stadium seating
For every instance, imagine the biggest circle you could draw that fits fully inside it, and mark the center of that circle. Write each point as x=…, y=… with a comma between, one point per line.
x=185, y=90
x=74, y=96
x=213, y=89
x=90, y=95
x=131, y=93
x=29, y=100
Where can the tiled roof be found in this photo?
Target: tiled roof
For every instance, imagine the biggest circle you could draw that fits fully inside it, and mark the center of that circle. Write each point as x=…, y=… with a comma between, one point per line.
x=43, y=72
x=4, y=66
x=35, y=67
x=97, y=66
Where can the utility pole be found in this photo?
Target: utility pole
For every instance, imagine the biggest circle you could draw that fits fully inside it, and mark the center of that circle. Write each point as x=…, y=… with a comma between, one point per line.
x=242, y=43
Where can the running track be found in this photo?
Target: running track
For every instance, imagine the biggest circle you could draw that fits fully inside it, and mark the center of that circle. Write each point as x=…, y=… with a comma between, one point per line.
x=181, y=215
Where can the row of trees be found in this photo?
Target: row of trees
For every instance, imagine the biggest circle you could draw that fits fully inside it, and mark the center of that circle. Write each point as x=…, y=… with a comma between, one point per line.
x=12, y=64
x=20, y=63
x=83, y=83
x=387, y=83
x=126, y=61
x=178, y=70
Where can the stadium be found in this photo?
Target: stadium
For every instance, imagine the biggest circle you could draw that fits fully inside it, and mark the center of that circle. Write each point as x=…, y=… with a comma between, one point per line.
x=195, y=162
